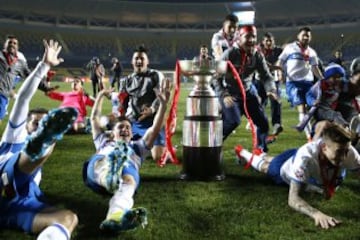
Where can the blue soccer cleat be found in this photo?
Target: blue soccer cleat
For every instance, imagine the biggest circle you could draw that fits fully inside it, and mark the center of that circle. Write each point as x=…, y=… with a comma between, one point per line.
x=120, y=221
x=51, y=128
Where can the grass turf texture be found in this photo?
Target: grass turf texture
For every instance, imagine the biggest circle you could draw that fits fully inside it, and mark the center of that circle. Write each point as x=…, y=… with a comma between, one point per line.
x=246, y=205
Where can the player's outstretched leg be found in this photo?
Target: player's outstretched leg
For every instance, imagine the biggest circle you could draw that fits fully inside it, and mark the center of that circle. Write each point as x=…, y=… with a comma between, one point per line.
x=51, y=128
x=116, y=160
x=125, y=220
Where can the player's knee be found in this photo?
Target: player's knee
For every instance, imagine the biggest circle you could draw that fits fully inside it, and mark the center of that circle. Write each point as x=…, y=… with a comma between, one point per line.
x=156, y=152
x=68, y=219
x=128, y=179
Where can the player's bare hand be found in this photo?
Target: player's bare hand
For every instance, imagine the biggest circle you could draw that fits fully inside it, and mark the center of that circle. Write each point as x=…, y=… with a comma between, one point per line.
x=106, y=92
x=51, y=54
x=164, y=94
x=228, y=101
x=273, y=96
x=325, y=221
x=145, y=113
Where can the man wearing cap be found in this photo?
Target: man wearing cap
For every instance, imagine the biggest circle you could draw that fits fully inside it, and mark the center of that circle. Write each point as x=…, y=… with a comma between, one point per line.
x=224, y=38
x=246, y=59
x=299, y=63
x=324, y=95
x=348, y=105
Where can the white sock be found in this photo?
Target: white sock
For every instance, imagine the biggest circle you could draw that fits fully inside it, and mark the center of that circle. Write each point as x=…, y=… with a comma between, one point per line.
x=307, y=131
x=122, y=198
x=257, y=161
x=56, y=231
x=307, y=128
x=301, y=116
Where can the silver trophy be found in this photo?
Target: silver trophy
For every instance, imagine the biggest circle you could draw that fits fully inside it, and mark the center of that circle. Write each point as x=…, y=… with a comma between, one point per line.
x=202, y=126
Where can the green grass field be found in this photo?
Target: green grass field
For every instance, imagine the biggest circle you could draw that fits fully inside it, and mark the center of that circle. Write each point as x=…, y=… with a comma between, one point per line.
x=246, y=205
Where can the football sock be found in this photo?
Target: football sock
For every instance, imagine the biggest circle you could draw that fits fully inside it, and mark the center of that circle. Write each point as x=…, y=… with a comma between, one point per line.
x=122, y=199
x=56, y=231
x=257, y=161
x=307, y=128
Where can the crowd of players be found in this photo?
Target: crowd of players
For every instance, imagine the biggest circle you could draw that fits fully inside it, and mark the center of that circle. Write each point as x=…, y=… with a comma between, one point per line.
x=136, y=128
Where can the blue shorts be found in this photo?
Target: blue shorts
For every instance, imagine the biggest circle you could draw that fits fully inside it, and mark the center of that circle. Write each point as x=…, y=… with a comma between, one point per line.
x=130, y=169
x=296, y=91
x=21, y=199
x=3, y=106
x=277, y=162
x=139, y=129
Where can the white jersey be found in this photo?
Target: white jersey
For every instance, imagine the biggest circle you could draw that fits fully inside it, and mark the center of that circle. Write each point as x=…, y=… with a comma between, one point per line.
x=304, y=166
x=219, y=39
x=297, y=63
x=104, y=146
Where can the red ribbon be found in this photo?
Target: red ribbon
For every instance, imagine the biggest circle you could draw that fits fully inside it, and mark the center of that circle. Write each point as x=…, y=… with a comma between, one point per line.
x=304, y=52
x=329, y=183
x=10, y=60
x=170, y=127
x=252, y=125
x=247, y=29
x=122, y=100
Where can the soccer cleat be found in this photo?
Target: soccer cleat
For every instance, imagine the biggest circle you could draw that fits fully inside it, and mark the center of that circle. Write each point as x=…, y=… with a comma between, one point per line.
x=87, y=126
x=51, y=128
x=120, y=221
x=270, y=139
x=116, y=159
x=277, y=129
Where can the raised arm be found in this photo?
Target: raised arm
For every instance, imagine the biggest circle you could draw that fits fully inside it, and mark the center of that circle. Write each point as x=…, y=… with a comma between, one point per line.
x=300, y=205
x=163, y=96
x=30, y=85
x=96, y=112
x=316, y=70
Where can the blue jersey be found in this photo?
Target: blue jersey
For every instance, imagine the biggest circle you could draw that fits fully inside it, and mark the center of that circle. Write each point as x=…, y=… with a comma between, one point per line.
x=20, y=195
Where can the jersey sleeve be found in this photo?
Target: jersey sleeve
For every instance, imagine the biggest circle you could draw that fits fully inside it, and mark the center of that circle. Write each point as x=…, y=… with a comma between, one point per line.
x=300, y=167
x=55, y=95
x=284, y=54
x=99, y=141
x=352, y=162
x=313, y=58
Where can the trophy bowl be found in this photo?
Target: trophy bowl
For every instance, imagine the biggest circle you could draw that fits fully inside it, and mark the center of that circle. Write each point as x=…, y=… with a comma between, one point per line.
x=205, y=67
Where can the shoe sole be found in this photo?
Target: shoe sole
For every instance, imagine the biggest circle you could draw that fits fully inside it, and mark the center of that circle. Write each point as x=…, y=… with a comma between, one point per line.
x=62, y=118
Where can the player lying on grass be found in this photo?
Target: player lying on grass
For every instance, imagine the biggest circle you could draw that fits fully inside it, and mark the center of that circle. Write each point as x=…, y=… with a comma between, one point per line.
x=318, y=166
x=115, y=166
x=27, y=143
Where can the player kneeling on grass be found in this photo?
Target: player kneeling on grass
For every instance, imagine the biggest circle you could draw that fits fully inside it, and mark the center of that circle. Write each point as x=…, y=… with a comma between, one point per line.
x=27, y=143
x=318, y=166
x=115, y=167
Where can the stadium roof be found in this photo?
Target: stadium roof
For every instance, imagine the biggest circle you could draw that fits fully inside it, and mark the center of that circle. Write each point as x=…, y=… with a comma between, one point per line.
x=169, y=15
